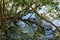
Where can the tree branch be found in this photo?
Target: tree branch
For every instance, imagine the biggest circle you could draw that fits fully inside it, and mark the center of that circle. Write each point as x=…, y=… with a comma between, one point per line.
x=42, y=17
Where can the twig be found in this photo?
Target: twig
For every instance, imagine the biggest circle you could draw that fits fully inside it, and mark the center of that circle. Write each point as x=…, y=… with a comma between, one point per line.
x=47, y=21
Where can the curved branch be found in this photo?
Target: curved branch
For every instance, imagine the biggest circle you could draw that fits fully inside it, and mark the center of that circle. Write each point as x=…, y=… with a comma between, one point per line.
x=42, y=17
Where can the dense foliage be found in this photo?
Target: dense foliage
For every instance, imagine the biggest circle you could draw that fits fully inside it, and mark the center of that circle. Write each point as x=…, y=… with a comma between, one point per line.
x=29, y=19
